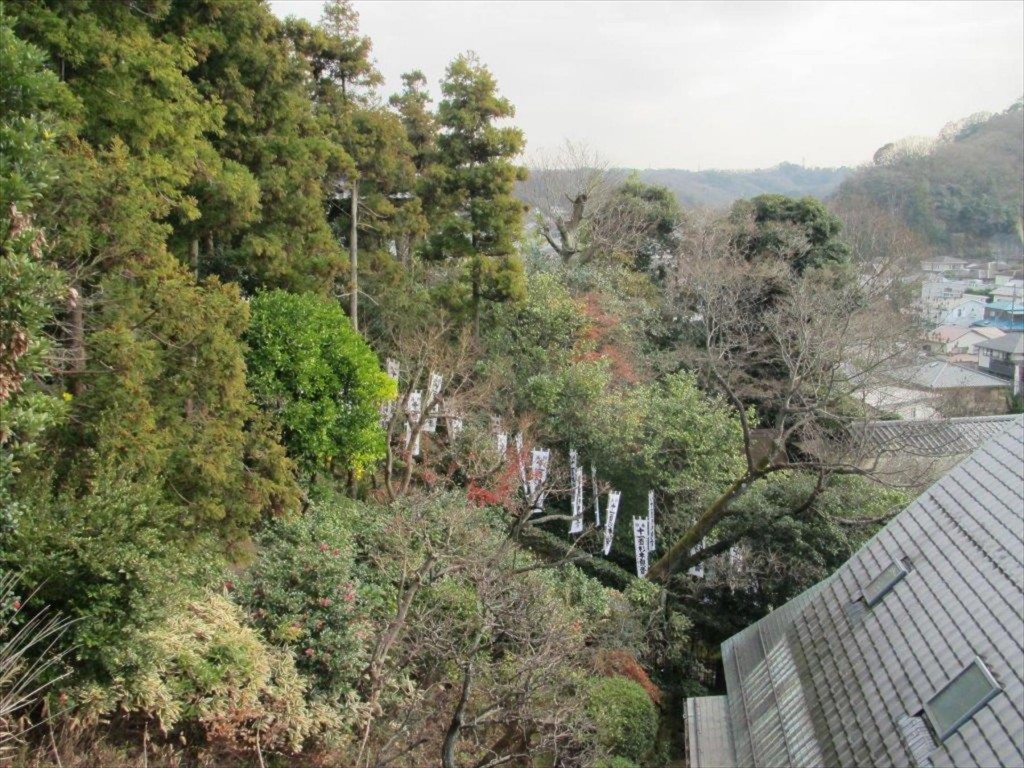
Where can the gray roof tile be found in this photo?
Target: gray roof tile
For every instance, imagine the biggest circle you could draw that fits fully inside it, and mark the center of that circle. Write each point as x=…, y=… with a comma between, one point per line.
x=815, y=683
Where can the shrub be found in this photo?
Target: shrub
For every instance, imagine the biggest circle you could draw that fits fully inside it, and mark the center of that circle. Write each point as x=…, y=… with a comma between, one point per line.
x=110, y=561
x=303, y=593
x=204, y=668
x=319, y=379
x=625, y=717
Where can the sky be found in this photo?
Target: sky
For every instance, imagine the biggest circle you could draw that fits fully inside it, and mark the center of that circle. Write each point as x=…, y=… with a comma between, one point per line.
x=729, y=85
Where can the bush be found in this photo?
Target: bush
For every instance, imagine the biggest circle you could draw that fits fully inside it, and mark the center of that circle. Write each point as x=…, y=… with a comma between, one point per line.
x=626, y=719
x=111, y=561
x=303, y=593
x=204, y=669
x=319, y=379
x=615, y=762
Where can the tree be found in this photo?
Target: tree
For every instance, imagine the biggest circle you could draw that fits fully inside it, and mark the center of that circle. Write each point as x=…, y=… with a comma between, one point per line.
x=318, y=379
x=478, y=218
x=803, y=231
x=588, y=211
x=820, y=337
x=30, y=288
x=565, y=187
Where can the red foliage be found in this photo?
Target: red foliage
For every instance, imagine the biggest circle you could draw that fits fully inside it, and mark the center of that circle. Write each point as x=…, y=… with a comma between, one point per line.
x=601, y=333
x=624, y=664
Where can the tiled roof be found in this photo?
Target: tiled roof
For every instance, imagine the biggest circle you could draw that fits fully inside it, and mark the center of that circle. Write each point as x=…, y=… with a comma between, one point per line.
x=938, y=374
x=1011, y=342
x=826, y=681
x=932, y=437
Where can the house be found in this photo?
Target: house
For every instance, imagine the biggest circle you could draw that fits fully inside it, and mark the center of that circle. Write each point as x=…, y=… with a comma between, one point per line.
x=1011, y=291
x=1005, y=315
x=909, y=655
x=965, y=311
x=1003, y=357
x=942, y=264
x=934, y=388
x=958, y=344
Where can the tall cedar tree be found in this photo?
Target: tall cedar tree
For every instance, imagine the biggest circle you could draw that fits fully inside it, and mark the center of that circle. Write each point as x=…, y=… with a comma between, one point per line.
x=479, y=218
x=152, y=359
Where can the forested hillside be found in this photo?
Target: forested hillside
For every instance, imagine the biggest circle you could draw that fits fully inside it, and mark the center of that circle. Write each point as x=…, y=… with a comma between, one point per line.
x=962, y=192
x=318, y=448
x=696, y=189
x=715, y=189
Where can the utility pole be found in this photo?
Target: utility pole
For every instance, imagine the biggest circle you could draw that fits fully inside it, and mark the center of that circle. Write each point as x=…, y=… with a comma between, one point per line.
x=353, y=250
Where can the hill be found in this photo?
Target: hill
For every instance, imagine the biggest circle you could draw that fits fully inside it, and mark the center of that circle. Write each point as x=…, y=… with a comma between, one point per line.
x=963, y=191
x=717, y=189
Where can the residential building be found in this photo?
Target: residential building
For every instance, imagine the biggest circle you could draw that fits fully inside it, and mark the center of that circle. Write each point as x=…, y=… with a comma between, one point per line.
x=958, y=344
x=935, y=388
x=909, y=655
x=1005, y=315
x=1003, y=357
x=963, y=311
x=942, y=265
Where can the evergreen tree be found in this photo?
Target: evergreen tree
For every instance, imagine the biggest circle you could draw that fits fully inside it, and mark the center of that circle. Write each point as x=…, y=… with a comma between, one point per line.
x=478, y=218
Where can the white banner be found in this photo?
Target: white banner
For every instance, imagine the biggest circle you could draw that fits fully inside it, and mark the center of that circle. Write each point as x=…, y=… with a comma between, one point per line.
x=454, y=426
x=502, y=440
x=416, y=445
x=577, y=502
x=640, y=545
x=387, y=410
x=433, y=393
x=609, y=527
x=577, y=519
x=414, y=405
x=436, y=381
x=697, y=571
x=651, y=543
x=597, y=496
x=518, y=441
x=539, y=460
x=393, y=367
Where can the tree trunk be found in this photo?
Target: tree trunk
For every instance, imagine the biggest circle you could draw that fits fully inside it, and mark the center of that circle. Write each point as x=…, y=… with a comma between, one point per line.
x=671, y=560
x=76, y=367
x=353, y=250
x=193, y=251
x=451, y=737
x=477, y=277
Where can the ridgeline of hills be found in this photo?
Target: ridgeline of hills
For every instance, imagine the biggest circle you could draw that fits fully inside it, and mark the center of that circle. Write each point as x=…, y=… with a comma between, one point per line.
x=961, y=192
x=716, y=189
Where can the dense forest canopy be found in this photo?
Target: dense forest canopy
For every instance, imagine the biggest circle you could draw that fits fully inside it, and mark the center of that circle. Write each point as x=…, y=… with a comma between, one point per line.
x=283, y=359
x=962, y=192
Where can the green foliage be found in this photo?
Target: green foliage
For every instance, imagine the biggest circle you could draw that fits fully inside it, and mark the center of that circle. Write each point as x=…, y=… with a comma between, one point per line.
x=802, y=232
x=203, y=671
x=615, y=762
x=304, y=594
x=111, y=560
x=962, y=192
x=319, y=380
x=625, y=717
x=29, y=287
x=472, y=197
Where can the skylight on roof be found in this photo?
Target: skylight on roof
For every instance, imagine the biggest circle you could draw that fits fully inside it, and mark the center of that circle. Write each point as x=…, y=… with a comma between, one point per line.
x=883, y=582
x=962, y=696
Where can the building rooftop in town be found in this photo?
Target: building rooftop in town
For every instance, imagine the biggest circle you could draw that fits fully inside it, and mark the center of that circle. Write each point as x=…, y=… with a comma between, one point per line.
x=931, y=438
x=1010, y=342
x=939, y=374
x=909, y=655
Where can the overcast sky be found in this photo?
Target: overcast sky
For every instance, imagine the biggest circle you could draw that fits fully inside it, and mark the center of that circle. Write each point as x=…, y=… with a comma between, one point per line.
x=715, y=85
